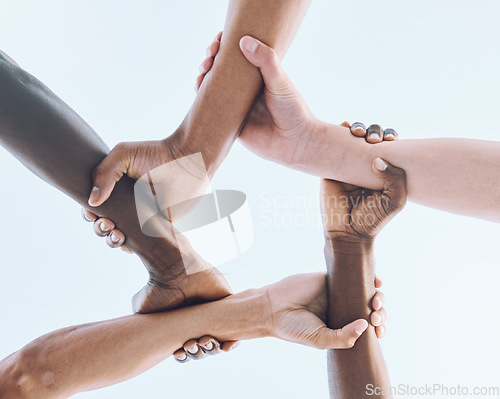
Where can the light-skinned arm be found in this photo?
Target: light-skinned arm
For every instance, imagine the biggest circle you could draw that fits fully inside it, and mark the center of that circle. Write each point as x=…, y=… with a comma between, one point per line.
x=92, y=356
x=455, y=175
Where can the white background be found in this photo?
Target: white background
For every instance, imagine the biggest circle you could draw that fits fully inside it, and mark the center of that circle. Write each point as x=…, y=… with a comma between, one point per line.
x=427, y=68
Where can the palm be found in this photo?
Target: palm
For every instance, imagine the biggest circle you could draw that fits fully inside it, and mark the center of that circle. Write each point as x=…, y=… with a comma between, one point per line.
x=299, y=305
x=276, y=126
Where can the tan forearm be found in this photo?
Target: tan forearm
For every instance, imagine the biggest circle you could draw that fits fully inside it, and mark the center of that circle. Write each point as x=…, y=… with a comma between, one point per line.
x=96, y=355
x=455, y=175
x=232, y=86
x=351, y=288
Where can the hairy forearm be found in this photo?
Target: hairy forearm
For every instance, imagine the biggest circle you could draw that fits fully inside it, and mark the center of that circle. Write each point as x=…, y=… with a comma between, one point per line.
x=233, y=84
x=455, y=175
x=351, y=288
x=92, y=356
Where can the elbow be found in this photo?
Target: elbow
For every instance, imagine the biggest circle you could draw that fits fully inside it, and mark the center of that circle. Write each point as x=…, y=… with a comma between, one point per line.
x=24, y=376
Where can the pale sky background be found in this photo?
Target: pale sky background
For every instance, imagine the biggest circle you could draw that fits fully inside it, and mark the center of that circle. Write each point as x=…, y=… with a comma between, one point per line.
x=427, y=68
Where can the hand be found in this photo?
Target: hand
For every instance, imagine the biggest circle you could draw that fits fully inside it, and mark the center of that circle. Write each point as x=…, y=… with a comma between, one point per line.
x=279, y=125
x=115, y=239
x=374, y=134
x=203, y=347
x=177, y=173
x=298, y=306
x=205, y=286
x=354, y=212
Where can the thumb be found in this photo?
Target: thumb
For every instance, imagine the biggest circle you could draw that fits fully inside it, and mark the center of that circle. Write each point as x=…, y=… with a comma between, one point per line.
x=266, y=59
x=394, y=179
x=343, y=338
x=107, y=174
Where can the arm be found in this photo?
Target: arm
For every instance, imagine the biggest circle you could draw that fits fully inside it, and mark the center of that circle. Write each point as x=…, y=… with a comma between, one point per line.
x=81, y=358
x=455, y=175
x=220, y=108
x=352, y=218
x=350, y=284
x=49, y=138
x=443, y=173
x=92, y=356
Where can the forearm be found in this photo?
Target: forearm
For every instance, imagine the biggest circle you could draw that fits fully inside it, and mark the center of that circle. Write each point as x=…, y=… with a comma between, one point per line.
x=455, y=175
x=233, y=84
x=92, y=356
x=47, y=136
x=351, y=288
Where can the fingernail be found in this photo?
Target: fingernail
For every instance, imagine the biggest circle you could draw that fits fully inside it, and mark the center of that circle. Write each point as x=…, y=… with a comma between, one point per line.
x=380, y=164
x=251, y=44
x=376, y=319
x=360, y=327
x=209, y=346
x=94, y=195
x=193, y=350
x=114, y=238
x=373, y=136
x=103, y=227
x=87, y=218
x=181, y=358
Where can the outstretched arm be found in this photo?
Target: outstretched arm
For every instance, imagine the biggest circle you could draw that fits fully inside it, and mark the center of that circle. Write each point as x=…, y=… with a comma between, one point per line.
x=91, y=356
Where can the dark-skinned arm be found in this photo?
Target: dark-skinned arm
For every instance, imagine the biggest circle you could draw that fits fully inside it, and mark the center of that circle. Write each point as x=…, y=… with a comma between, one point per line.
x=353, y=216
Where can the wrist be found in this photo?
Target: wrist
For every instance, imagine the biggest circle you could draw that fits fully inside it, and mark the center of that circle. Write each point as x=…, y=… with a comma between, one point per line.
x=214, y=148
x=349, y=245
x=310, y=141
x=250, y=315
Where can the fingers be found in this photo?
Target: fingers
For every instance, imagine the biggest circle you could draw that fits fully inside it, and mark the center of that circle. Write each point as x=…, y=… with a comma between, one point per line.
x=88, y=216
x=230, y=345
x=390, y=135
x=103, y=227
x=107, y=173
x=210, y=345
x=374, y=134
x=380, y=332
x=193, y=350
x=180, y=356
x=206, y=65
x=358, y=129
x=378, y=282
x=106, y=228
x=378, y=318
x=266, y=59
x=394, y=179
x=344, y=338
x=208, y=62
x=203, y=347
x=378, y=300
x=115, y=239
